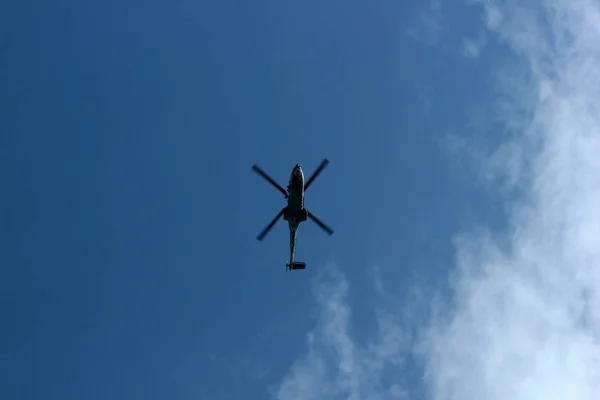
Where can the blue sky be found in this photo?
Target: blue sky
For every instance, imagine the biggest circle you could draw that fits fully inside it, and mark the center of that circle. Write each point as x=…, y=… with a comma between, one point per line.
x=463, y=141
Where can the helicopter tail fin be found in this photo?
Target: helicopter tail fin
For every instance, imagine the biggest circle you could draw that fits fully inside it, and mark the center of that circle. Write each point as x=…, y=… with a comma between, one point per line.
x=296, y=265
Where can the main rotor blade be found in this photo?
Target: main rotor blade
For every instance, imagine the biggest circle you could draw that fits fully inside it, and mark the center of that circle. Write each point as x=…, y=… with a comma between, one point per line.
x=262, y=235
x=316, y=173
x=269, y=179
x=321, y=224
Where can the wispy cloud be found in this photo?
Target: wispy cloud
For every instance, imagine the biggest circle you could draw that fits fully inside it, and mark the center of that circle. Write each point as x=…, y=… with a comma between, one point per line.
x=336, y=365
x=524, y=322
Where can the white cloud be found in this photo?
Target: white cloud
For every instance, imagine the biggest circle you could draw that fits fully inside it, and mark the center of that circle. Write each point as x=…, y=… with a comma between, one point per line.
x=525, y=320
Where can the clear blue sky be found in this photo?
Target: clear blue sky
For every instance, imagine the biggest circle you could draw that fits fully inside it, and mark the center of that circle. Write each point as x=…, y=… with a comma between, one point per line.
x=129, y=263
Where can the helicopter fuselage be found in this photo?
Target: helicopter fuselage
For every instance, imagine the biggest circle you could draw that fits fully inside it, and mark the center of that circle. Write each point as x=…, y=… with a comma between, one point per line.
x=295, y=212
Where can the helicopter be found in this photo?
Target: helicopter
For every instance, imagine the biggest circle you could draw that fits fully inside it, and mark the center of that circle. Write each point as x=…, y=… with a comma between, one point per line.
x=294, y=212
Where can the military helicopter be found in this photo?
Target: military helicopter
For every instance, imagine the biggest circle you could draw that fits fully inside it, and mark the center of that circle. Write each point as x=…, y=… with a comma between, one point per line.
x=294, y=212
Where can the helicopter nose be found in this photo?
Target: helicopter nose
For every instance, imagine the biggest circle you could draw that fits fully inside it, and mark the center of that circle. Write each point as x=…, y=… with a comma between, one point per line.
x=297, y=173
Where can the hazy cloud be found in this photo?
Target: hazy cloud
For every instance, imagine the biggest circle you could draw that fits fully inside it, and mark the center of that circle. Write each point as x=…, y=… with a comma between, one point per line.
x=430, y=26
x=472, y=47
x=424, y=96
